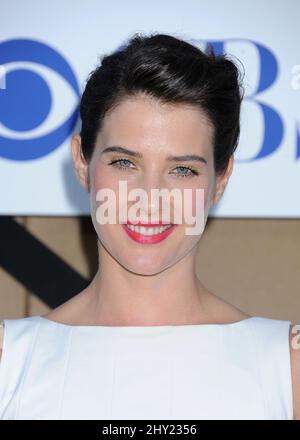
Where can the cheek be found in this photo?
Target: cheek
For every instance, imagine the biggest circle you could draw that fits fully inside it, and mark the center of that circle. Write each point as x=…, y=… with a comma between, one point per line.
x=200, y=197
x=109, y=202
x=101, y=178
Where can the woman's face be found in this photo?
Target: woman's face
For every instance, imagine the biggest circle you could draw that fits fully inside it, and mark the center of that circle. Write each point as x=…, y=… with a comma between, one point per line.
x=154, y=131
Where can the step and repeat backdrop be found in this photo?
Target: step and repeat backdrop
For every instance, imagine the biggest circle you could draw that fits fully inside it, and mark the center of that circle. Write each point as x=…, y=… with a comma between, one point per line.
x=47, y=50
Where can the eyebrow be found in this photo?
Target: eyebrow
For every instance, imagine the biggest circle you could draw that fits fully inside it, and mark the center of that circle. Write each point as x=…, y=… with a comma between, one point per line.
x=122, y=150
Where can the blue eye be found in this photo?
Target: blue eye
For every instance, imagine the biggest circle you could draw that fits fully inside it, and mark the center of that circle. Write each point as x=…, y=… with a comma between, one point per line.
x=117, y=163
x=190, y=173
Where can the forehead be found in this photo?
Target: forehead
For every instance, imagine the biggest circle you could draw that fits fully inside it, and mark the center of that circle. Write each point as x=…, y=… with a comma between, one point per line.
x=145, y=122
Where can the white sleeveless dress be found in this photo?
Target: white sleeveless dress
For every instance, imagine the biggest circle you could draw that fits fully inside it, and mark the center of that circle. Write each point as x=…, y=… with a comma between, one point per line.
x=240, y=370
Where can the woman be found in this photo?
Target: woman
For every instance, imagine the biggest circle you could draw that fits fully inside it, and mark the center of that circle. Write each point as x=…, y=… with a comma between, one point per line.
x=146, y=339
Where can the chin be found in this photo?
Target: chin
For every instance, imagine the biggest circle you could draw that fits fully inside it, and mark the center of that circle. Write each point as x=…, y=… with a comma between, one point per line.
x=144, y=266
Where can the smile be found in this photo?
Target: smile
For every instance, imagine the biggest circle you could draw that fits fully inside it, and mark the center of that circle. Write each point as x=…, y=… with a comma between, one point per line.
x=148, y=234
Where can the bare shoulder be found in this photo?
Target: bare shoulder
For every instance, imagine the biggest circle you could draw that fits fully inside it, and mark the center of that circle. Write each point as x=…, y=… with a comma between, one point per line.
x=221, y=310
x=294, y=339
x=72, y=311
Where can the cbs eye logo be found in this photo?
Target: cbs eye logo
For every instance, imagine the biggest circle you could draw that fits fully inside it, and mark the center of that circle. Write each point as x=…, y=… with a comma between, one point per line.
x=34, y=114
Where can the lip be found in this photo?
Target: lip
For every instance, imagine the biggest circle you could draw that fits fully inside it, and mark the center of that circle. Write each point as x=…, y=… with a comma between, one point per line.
x=148, y=239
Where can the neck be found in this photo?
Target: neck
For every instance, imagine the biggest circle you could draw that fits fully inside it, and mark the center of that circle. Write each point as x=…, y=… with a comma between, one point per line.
x=117, y=296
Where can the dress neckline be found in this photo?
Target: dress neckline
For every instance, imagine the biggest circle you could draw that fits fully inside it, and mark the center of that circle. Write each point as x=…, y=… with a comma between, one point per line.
x=146, y=327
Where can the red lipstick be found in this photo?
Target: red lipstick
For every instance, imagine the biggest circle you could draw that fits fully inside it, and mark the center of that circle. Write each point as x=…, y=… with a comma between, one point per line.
x=148, y=239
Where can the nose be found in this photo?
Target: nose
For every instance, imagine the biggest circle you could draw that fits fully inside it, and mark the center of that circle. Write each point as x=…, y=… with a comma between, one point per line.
x=151, y=204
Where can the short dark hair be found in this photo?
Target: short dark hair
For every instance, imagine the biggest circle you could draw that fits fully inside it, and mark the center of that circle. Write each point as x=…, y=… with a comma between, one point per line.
x=172, y=71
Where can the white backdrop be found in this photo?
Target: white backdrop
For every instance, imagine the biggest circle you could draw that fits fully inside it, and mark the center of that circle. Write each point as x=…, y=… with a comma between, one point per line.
x=51, y=46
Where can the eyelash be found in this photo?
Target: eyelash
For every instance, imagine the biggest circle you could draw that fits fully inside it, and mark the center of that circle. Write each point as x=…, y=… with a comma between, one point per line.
x=117, y=165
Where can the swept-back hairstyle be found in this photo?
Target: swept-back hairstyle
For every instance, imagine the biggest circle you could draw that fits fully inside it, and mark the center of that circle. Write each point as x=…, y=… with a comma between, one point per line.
x=174, y=72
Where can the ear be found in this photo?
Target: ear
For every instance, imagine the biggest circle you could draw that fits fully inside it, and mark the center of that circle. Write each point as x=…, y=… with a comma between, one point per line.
x=222, y=180
x=80, y=164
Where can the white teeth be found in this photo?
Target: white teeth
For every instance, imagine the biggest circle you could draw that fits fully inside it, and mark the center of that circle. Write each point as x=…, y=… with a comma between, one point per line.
x=146, y=230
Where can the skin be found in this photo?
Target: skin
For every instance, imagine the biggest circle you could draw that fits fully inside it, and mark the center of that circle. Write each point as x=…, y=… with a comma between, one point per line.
x=152, y=284
x=157, y=284
x=143, y=284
